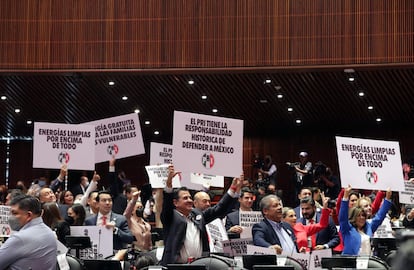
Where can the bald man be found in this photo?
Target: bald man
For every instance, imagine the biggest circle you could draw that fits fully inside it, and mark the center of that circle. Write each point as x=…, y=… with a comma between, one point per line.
x=201, y=200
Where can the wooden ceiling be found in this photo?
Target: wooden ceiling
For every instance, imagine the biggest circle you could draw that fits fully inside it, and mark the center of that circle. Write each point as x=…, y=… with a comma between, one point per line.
x=320, y=98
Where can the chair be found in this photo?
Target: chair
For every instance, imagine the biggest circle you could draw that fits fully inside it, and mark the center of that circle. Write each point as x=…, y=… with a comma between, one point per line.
x=292, y=262
x=377, y=263
x=212, y=263
x=74, y=263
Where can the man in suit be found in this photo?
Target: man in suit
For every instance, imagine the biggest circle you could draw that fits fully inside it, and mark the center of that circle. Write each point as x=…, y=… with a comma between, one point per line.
x=233, y=221
x=33, y=244
x=81, y=187
x=304, y=192
x=326, y=238
x=272, y=232
x=185, y=234
x=117, y=223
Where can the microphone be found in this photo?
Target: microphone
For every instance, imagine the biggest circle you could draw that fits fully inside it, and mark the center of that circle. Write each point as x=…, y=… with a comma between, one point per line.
x=310, y=244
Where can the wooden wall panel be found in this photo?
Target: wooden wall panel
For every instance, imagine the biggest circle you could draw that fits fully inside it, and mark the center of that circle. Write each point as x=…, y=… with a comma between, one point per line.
x=72, y=34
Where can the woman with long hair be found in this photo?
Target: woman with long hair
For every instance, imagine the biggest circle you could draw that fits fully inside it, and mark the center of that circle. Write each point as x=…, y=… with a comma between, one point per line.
x=356, y=229
x=76, y=215
x=52, y=218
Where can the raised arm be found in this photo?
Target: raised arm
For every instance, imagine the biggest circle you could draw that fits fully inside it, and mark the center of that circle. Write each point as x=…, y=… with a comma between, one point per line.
x=92, y=187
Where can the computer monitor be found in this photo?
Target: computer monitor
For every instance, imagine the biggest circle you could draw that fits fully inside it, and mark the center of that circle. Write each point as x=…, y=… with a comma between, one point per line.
x=186, y=267
x=250, y=260
x=339, y=262
x=102, y=265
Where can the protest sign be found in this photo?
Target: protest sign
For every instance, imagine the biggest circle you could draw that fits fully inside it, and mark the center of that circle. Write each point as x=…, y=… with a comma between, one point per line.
x=161, y=153
x=247, y=219
x=208, y=144
x=370, y=164
x=216, y=234
x=101, y=241
x=158, y=176
x=117, y=137
x=302, y=258
x=236, y=247
x=207, y=180
x=316, y=258
x=407, y=196
x=57, y=144
x=254, y=250
x=4, y=220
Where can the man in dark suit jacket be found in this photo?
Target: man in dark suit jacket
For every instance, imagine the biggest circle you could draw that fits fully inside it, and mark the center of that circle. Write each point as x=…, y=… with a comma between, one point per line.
x=272, y=232
x=105, y=217
x=326, y=238
x=233, y=219
x=180, y=220
x=304, y=192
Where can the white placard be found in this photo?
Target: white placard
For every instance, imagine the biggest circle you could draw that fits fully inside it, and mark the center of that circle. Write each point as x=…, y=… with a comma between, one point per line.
x=247, y=219
x=316, y=258
x=158, y=174
x=57, y=144
x=302, y=258
x=208, y=144
x=101, y=241
x=4, y=220
x=117, y=137
x=407, y=196
x=236, y=247
x=207, y=180
x=370, y=164
x=161, y=153
x=216, y=234
x=253, y=250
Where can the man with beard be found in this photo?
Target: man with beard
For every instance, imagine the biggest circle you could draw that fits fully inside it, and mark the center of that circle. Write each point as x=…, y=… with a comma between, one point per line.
x=326, y=238
x=33, y=245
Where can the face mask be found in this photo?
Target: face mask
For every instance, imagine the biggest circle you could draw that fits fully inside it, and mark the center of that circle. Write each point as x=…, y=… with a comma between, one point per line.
x=14, y=223
x=139, y=212
x=70, y=220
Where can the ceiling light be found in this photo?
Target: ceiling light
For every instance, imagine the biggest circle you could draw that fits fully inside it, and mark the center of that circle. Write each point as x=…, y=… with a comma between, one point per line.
x=214, y=110
x=137, y=111
x=203, y=97
x=16, y=110
x=351, y=79
x=147, y=122
x=29, y=122
x=3, y=97
x=298, y=121
x=268, y=81
x=124, y=98
x=279, y=96
x=370, y=107
x=111, y=83
x=278, y=87
x=156, y=132
x=361, y=94
x=190, y=82
x=378, y=119
x=290, y=109
x=263, y=101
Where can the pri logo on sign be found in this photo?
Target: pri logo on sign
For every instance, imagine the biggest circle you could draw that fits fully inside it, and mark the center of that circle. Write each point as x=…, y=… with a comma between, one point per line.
x=372, y=177
x=207, y=160
x=112, y=149
x=63, y=157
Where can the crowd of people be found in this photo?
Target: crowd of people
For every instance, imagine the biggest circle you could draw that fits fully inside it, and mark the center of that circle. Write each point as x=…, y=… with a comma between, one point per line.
x=41, y=214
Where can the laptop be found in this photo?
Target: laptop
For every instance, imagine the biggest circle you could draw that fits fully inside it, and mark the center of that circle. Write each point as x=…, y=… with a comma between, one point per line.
x=102, y=265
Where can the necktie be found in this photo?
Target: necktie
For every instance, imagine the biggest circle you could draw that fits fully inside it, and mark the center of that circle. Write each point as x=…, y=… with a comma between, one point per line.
x=103, y=220
x=313, y=237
